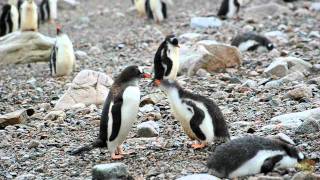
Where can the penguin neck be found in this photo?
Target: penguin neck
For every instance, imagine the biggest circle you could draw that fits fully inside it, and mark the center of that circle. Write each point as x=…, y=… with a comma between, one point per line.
x=174, y=97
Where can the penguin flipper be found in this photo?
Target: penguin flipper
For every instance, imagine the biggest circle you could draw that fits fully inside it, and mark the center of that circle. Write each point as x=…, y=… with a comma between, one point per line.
x=148, y=9
x=254, y=47
x=158, y=68
x=169, y=64
x=116, y=119
x=53, y=59
x=164, y=9
x=269, y=163
x=196, y=120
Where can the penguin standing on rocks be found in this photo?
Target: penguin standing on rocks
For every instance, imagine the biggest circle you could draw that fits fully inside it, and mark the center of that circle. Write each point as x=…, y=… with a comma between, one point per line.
x=9, y=18
x=252, y=42
x=29, y=16
x=228, y=9
x=62, y=58
x=166, y=60
x=157, y=9
x=252, y=155
x=200, y=117
x=119, y=112
x=48, y=11
x=140, y=6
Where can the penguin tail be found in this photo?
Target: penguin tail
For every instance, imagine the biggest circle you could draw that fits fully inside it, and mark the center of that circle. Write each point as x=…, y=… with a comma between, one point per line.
x=89, y=147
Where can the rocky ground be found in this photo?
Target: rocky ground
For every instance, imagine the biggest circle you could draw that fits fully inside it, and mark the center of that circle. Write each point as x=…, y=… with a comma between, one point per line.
x=113, y=37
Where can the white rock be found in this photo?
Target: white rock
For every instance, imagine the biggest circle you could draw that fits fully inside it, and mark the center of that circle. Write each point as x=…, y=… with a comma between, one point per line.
x=205, y=22
x=148, y=129
x=110, y=171
x=265, y=10
x=199, y=177
x=315, y=34
x=277, y=68
x=250, y=83
x=315, y=6
x=55, y=115
x=81, y=55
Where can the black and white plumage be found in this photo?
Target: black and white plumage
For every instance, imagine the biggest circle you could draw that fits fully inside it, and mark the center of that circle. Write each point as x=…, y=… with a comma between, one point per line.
x=48, y=10
x=200, y=117
x=119, y=112
x=29, y=16
x=166, y=60
x=251, y=42
x=252, y=155
x=156, y=9
x=9, y=19
x=140, y=6
x=228, y=9
x=62, y=58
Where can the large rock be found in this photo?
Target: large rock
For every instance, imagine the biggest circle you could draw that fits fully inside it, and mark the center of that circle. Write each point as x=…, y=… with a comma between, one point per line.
x=25, y=47
x=148, y=129
x=16, y=117
x=199, y=177
x=309, y=126
x=110, y=171
x=300, y=92
x=88, y=87
x=294, y=120
x=212, y=58
x=205, y=22
x=265, y=10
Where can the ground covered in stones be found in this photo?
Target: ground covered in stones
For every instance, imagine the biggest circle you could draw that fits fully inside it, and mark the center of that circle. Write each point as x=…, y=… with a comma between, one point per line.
x=113, y=38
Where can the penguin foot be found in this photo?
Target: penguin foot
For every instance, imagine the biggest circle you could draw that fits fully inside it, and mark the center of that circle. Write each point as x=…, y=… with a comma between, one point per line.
x=157, y=82
x=198, y=146
x=116, y=157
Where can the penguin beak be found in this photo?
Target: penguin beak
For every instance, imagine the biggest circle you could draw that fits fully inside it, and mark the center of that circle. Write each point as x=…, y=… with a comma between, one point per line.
x=146, y=75
x=178, y=45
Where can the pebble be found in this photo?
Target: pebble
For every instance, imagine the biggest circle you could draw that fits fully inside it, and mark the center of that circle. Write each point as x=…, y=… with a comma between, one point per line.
x=110, y=171
x=148, y=129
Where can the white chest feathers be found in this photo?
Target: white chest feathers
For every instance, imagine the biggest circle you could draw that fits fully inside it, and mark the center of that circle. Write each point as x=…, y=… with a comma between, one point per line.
x=15, y=17
x=53, y=9
x=140, y=7
x=65, y=58
x=232, y=9
x=174, y=54
x=29, y=16
x=156, y=8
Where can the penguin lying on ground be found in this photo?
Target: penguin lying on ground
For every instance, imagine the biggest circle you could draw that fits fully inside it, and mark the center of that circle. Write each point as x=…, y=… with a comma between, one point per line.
x=166, y=60
x=119, y=112
x=199, y=116
x=9, y=18
x=29, y=16
x=228, y=9
x=62, y=58
x=251, y=42
x=252, y=155
x=48, y=11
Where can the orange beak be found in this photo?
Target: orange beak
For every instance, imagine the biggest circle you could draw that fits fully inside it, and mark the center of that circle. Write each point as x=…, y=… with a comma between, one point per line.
x=147, y=76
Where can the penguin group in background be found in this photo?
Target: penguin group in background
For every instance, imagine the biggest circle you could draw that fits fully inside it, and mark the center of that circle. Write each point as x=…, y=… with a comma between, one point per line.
x=228, y=9
x=48, y=11
x=9, y=20
x=119, y=112
x=62, y=58
x=166, y=60
x=29, y=16
x=252, y=155
x=252, y=42
x=200, y=117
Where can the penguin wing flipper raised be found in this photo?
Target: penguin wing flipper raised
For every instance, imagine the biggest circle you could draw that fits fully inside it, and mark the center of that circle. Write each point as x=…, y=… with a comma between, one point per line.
x=116, y=119
x=269, y=163
x=196, y=120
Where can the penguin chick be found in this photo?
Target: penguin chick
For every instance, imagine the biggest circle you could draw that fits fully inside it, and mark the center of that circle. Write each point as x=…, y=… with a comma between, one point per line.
x=199, y=116
x=156, y=10
x=166, y=60
x=29, y=16
x=140, y=6
x=62, y=58
x=48, y=11
x=228, y=9
x=252, y=155
x=252, y=42
x=119, y=112
x=9, y=19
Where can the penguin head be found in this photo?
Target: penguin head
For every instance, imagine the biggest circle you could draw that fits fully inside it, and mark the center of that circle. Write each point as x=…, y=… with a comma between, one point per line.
x=131, y=73
x=270, y=46
x=173, y=40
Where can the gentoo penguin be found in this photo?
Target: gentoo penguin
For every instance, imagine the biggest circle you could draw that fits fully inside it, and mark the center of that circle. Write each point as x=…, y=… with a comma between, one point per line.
x=29, y=16
x=140, y=6
x=156, y=10
x=119, y=112
x=229, y=8
x=252, y=155
x=62, y=58
x=48, y=10
x=166, y=60
x=200, y=117
x=251, y=41
x=9, y=18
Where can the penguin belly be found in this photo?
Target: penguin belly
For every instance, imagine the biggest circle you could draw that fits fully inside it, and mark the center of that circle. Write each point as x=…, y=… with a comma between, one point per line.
x=253, y=165
x=232, y=9
x=29, y=18
x=140, y=6
x=156, y=8
x=65, y=60
x=207, y=124
x=15, y=18
x=245, y=46
x=53, y=9
x=174, y=55
x=129, y=111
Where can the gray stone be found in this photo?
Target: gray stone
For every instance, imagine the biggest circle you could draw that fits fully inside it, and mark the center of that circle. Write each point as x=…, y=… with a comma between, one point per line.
x=205, y=22
x=110, y=171
x=314, y=34
x=148, y=129
x=202, y=73
x=265, y=10
x=16, y=117
x=33, y=144
x=199, y=177
x=94, y=50
x=309, y=126
x=56, y=116
x=250, y=83
x=151, y=99
x=81, y=55
x=207, y=42
x=88, y=87
x=265, y=178
x=26, y=177
x=300, y=92
x=277, y=68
